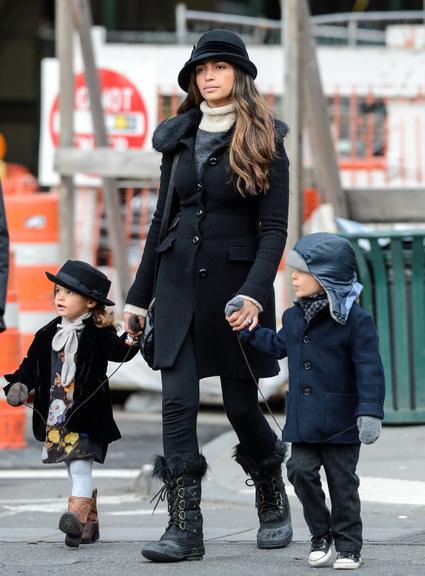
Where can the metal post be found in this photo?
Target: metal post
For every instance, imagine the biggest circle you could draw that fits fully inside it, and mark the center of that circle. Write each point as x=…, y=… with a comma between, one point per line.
x=317, y=122
x=292, y=113
x=181, y=30
x=352, y=33
x=64, y=52
x=83, y=22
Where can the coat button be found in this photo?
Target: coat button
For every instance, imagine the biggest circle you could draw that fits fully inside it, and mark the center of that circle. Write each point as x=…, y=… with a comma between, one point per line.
x=306, y=340
x=199, y=212
x=203, y=273
x=195, y=239
x=213, y=161
x=307, y=365
x=199, y=186
x=306, y=391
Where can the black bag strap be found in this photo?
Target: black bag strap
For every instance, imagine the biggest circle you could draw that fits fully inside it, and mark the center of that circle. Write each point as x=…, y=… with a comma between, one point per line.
x=167, y=211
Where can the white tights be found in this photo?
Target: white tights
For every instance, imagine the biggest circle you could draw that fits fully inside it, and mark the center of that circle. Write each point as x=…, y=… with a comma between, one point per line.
x=80, y=477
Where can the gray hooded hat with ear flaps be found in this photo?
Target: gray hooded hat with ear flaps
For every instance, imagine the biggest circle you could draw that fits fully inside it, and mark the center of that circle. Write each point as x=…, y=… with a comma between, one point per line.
x=331, y=260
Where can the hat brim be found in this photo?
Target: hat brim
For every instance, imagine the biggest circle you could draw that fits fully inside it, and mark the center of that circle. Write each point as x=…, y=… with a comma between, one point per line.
x=295, y=260
x=184, y=74
x=79, y=288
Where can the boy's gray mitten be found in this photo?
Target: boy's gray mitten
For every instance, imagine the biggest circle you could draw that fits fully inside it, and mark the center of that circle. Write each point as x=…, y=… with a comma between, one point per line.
x=17, y=394
x=233, y=305
x=369, y=429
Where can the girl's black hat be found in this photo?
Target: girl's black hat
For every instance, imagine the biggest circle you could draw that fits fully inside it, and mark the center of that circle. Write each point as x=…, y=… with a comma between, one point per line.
x=84, y=279
x=217, y=44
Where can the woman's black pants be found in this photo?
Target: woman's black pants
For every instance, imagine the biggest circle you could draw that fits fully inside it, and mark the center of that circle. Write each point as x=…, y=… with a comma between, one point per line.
x=180, y=405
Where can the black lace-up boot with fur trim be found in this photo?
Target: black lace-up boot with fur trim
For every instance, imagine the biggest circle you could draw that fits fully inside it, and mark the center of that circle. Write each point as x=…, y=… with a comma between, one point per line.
x=183, y=538
x=271, y=500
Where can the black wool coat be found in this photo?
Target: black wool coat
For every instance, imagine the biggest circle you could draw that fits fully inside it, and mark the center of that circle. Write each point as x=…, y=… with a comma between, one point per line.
x=219, y=244
x=95, y=347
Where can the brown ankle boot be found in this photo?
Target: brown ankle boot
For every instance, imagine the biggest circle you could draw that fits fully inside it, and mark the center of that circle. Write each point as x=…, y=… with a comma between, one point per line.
x=91, y=529
x=73, y=521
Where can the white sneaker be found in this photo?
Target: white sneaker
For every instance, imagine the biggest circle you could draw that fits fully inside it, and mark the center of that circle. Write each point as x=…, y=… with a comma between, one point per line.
x=320, y=552
x=347, y=561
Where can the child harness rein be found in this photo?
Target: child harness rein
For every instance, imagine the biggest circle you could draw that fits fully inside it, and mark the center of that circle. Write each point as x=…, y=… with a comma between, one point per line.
x=63, y=426
x=268, y=406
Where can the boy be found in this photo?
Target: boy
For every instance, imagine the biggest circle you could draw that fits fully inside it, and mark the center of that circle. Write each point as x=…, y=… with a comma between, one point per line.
x=336, y=391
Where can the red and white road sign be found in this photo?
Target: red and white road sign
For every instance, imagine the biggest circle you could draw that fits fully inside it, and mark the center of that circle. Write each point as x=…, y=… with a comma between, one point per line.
x=129, y=95
x=126, y=116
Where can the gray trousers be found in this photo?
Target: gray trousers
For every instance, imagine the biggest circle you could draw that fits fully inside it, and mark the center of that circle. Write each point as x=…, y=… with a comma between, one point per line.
x=339, y=462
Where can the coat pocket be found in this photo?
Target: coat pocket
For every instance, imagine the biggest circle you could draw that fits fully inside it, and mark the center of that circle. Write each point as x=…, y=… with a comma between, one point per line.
x=340, y=411
x=242, y=252
x=166, y=244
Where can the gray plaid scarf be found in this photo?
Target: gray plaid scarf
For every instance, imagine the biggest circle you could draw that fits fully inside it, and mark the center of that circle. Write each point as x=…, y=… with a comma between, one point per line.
x=312, y=305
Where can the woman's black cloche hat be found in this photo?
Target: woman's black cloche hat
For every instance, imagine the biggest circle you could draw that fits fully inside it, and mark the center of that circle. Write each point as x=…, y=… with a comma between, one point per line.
x=221, y=44
x=84, y=279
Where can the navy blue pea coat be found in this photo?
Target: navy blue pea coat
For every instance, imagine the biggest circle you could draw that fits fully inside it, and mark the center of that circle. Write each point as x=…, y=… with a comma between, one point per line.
x=335, y=373
x=219, y=244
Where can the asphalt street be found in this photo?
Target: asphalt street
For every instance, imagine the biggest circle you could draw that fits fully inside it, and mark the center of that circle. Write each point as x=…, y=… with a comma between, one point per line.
x=34, y=495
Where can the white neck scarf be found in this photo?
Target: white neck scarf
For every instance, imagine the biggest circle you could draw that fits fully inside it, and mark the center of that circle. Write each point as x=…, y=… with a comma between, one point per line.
x=219, y=119
x=66, y=339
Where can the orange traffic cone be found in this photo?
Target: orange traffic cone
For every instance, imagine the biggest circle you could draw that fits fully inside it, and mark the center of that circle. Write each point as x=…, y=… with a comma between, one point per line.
x=12, y=420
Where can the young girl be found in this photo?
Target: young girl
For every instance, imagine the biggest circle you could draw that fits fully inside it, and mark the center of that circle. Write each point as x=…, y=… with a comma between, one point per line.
x=66, y=367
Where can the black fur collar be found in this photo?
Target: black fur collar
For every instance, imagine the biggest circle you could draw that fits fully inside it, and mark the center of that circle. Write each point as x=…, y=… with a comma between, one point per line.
x=171, y=131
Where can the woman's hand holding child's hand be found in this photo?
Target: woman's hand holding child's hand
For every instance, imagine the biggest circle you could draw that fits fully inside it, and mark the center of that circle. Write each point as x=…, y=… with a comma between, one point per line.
x=134, y=326
x=18, y=394
x=241, y=313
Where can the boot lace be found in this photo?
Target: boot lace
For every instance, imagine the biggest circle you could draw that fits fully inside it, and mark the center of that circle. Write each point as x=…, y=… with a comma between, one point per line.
x=174, y=492
x=268, y=495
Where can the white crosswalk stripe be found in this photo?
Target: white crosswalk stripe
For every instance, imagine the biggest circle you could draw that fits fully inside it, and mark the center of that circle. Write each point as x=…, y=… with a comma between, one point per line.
x=381, y=491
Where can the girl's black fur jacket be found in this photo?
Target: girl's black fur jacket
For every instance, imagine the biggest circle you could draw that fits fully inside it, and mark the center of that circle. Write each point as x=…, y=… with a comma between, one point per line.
x=96, y=346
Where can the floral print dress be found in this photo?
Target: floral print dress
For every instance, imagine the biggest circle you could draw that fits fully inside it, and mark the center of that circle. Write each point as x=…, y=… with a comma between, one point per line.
x=61, y=443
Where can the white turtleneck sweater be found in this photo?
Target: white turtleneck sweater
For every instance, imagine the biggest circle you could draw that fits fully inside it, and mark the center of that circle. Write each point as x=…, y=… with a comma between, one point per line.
x=214, y=125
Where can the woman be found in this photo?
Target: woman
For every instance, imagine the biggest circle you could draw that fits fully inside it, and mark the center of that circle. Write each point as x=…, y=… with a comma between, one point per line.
x=226, y=237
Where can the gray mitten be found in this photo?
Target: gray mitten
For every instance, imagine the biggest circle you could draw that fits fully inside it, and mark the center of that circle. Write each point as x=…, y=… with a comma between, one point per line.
x=233, y=305
x=369, y=429
x=17, y=395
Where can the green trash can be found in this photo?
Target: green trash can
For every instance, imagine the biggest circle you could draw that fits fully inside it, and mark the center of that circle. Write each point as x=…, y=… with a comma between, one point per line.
x=391, y=267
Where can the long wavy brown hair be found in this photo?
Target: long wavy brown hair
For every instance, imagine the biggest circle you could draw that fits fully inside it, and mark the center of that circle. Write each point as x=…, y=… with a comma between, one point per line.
x=253, y=143
x=102, y=318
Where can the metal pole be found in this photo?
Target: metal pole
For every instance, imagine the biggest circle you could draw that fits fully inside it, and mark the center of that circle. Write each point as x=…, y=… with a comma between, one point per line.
x=318, y=124
x=65, y=54
x=181, y=29
x=292, y=113
x=83, y=22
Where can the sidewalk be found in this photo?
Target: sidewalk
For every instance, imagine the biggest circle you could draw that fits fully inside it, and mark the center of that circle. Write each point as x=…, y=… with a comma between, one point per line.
x=393, y=492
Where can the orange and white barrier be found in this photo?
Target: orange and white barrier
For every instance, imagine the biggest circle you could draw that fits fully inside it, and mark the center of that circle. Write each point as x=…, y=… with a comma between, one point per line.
x=33, y=222
x=18, y=180
x=10, y=343
x=12, y=420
